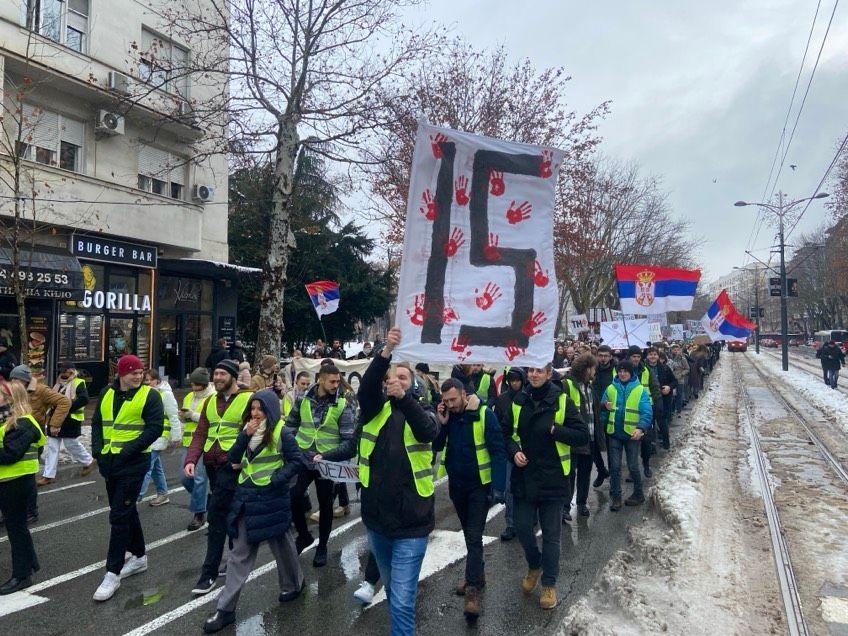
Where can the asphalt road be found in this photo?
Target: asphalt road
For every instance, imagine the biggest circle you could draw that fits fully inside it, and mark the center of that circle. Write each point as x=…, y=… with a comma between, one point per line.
x=71, y=538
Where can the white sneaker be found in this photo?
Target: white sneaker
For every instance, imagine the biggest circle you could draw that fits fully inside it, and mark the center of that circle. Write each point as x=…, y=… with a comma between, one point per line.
x=111, y=583
x=134, y=565
x=365, y=593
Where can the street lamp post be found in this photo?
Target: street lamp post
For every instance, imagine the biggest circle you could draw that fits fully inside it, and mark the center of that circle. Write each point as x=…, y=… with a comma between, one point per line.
x=781, y=210
x=756, y=306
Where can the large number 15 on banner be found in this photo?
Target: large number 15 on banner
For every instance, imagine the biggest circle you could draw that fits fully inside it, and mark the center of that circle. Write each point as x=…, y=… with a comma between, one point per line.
x=477, y=279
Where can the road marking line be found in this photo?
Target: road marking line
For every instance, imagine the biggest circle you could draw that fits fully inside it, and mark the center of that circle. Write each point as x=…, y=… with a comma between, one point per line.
x=85, y=515
x=19, y=601
x=82, y=483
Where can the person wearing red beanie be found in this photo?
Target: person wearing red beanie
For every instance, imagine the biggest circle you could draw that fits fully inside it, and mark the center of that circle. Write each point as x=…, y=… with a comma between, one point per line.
x=129, y=417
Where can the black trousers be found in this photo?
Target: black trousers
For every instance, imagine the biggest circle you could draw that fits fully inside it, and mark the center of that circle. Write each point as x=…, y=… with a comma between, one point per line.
x=222, y=482
x=344, y=497
x=14, y=496
x=326, y=491
x=372, y=570
x=598, y=458
x=472, y=504
x=126, y=533
x=581, y=474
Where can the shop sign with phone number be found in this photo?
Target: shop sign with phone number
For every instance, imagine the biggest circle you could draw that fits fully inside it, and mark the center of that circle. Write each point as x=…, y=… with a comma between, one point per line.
x=40, y=283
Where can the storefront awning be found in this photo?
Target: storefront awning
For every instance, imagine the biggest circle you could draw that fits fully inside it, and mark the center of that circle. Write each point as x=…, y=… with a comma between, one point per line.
x=48, y=272
x=209, y=269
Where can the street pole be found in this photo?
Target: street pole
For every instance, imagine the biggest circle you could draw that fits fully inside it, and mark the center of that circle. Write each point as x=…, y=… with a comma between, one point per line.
x=784, y=292
x=757, y=309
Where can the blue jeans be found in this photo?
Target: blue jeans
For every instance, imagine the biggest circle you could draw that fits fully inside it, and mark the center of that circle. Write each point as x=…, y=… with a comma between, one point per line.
x=399, y=561
x=156, y=472
x=197, y=487
x=615, y=447
x=509, y=501
x=831, y=377
x=678, y=398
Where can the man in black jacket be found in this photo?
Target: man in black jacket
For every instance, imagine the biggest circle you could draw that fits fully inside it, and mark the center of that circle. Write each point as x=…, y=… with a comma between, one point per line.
x=668, y=383
x=514, y=382
x=548, y=423
x=128, y=418
x=397, y=501
x=832, y=359
x=218, y=353
x=604, y=373
x=651, y=382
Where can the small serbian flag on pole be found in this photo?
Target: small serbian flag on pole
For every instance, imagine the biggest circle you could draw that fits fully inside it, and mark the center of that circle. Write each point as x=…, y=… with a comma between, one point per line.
x=324, y=295
x=646, y=289
x=723, y=322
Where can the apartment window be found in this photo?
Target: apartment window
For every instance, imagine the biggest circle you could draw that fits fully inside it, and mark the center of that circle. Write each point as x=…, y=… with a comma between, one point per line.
x=51, y=138
x=160, y=172
x=163, y=64
x=64, y=21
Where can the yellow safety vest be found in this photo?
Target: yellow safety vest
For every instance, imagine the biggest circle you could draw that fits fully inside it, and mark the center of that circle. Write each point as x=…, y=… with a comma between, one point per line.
x=484, y=462
x=325, y=436
x=119, y=430
x=483, y=389
x=190, y=426
x=420, y=455
x=285, y=405
x=563, y=450
x=265, y=463
x=631, y=408
x=79, y=414
x=28, y=464
x=573, y=392
x=645, y=380
x=224, y=429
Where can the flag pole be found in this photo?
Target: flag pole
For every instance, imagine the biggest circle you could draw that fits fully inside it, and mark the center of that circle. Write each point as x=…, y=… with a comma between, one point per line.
x=323, y=333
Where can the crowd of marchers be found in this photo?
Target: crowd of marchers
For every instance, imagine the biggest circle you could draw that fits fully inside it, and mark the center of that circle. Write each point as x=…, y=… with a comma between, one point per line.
x=251, y=441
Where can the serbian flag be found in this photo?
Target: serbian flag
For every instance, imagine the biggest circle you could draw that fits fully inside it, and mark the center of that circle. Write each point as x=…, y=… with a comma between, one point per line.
x=647, y=289
x=324, y=295
x=723, y=322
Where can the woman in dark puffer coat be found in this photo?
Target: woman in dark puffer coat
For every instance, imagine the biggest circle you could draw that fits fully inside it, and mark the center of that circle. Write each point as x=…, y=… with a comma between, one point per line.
x=267, y=457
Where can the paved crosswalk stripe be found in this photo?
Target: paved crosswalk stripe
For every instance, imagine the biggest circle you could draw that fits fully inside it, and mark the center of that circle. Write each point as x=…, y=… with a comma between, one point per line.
x=48, y=492
x=19, y=601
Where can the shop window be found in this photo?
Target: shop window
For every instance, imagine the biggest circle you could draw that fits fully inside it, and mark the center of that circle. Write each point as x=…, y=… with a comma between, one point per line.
x=160, y=172
x=62, y=21
x=81, y=337
x=51, y=138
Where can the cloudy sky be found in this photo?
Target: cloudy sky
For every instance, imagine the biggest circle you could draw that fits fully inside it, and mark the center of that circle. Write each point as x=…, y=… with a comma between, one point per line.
x=700, y=91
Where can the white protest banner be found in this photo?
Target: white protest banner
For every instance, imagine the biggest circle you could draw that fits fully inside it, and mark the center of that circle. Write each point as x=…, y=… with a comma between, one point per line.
x=660, y=319
x=477, y=281
x=655, y=331
x=677, y=332
x=341, y=472
x=579, y=323
x=620, y=334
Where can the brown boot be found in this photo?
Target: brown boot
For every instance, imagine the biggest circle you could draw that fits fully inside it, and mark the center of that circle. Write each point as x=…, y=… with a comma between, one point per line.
x=44, y=481
x=472, y=602
x=530, y=580
x=460, y=587
x=548, y=599
x=86, y=470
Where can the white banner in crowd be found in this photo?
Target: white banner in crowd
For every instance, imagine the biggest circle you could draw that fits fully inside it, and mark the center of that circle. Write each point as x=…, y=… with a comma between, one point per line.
x=677, y=332
x=579, y=323
x=341, y=472
x=620, y=334
x=477, y=279
x=655, y=329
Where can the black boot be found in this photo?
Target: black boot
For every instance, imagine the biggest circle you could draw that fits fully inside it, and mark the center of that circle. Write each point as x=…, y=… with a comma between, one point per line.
x=218, y=621
x=303, y=541
x=14, y=585
x=320, y=559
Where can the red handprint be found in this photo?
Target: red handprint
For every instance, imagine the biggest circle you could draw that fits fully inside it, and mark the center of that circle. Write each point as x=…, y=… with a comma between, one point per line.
x=428, y=207
x=456, y=240
x=416, y=313
x=512, y=350
x=460, y=344
x=529, y=328
x=496, y=183
x=449, y=314
x=545, y=170
x=461, y=185
x=491, y=251
x=518, y=214
x=435, y=140
x=490, y=294
x=541, y=278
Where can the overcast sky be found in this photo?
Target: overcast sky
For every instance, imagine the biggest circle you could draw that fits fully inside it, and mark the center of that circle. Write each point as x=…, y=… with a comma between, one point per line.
x=699, y=91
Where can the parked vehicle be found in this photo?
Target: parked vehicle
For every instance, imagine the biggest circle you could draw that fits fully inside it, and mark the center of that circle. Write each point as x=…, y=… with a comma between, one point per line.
x=737, y=345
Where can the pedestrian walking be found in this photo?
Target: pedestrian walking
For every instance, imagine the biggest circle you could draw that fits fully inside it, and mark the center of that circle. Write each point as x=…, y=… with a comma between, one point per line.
x=651, y=382
x=267, y=459
x=679, y=365
x=474, y=459
x=214, y=436
x=21, y=438
x=515, y=382
x=832, y=360
x=129, y=417
x=69, y=384
x=478, y=381
x=658, y=363
x=539, y=430
x=219, y=352
x=627, y=415
x=604, y=374
x=172, y=433
x=192, y=408
x=269, y=376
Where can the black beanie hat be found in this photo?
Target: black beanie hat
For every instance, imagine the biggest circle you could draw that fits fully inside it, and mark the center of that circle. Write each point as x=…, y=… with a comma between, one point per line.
x=626, y=365
x=634, y=350
x=230, y=366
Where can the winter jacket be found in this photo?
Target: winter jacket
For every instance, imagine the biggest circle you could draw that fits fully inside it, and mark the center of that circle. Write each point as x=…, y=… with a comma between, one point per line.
x=679, y=365
x=72, y=428
x=172, y=415
x=49, y=407
x=391, y=505
x=646, y=413
x=244, y=378
x=216, y=456
x=132, y=460
x=266, y=509
x=276, y=382
x=831, y=356
x=337, y=354
x=504, y=401
x=542, y=478
x=237, y=354
x=653, y=385
x=17, y=440
x=457, y=434
x=592, y=419
x=472, y=381
x=7, y=363
x=217, y=354
x=664, y=375
x=320, y=406
x=603, y=378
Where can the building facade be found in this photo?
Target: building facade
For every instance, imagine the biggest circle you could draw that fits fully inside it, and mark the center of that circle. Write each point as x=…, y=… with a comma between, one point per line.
x=116, y=186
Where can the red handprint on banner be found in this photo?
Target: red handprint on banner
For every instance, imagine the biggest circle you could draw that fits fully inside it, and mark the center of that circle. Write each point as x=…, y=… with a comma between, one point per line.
x=456, y=240
x=461, y=185
x=428, y=207
x=435, y=140
x=416, y=312
x=529, y=327
x=512, y=350
x=460, y=345
x=491, y=251
x=540, y=277
x=449, y=314
x=496, y=183
x=518, y=214
x=545, y=169
x=490, y=294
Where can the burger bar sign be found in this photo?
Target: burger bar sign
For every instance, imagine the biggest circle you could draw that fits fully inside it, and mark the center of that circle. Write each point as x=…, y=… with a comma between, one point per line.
x=115, y=301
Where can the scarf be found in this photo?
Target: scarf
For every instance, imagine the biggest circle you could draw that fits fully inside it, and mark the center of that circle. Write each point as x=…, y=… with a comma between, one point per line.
x=257, y=437
x=68, y=387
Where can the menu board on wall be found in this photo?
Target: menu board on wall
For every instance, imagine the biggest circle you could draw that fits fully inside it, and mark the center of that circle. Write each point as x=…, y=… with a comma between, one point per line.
x=38, y=335
x=80, y=337
x=227, y=329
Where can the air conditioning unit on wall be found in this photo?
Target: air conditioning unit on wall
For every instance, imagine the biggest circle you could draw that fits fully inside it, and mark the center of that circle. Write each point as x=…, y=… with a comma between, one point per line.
x=109, y=123
x=202, y=193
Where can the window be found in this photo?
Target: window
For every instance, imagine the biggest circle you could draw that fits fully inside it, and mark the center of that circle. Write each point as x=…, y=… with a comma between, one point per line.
x=160, y=172
x=51, y=139
x=163, y=64
x=63, y=21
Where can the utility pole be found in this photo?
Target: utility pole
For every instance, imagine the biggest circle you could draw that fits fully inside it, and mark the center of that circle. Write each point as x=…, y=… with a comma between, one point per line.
x=784, y=291
x=757, y=309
